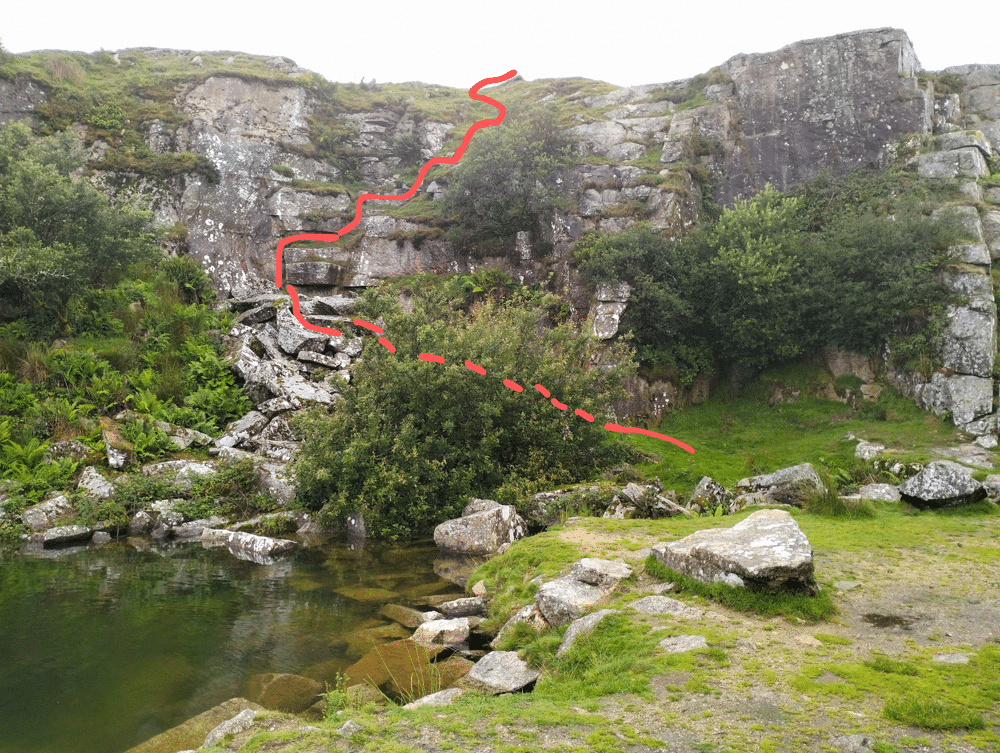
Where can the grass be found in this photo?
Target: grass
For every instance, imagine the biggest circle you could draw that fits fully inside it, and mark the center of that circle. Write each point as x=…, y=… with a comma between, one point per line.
x=808, y=608
x=735, y=438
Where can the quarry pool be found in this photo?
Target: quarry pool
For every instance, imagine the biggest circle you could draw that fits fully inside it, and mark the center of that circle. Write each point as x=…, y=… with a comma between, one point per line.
x=102, y=648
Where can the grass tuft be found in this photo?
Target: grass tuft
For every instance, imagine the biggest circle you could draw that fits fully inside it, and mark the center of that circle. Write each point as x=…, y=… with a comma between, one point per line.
x=930, y=713
x=809, y=608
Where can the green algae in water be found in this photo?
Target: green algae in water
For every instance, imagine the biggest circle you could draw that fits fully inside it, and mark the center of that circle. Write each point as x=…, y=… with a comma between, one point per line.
x=103, y=648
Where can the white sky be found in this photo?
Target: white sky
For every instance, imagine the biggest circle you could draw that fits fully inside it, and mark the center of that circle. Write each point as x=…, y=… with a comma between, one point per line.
x=454, y=43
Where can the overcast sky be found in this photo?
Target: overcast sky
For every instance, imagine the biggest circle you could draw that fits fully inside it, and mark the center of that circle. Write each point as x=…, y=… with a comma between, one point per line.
x=458, y=43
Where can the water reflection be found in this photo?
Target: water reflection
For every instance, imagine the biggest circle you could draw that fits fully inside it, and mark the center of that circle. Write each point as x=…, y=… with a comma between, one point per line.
x=107, y=646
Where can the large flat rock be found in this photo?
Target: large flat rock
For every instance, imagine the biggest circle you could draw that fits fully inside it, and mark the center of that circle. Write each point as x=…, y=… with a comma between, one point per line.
x=766, y=551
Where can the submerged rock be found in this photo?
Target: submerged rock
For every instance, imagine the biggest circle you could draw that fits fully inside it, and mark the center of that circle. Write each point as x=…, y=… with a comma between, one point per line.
x=766, y=551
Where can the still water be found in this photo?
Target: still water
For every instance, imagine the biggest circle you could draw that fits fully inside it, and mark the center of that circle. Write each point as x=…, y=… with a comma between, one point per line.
x=103, y=648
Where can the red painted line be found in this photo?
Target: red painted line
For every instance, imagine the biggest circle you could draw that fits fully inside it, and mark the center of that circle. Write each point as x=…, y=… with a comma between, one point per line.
x=291, y=239
x=583, y=414
x=560, y=406
x=632, y=430
x=368, y=325
x=473, y=94
x=298, y=315
x=478, y=369
x=431, y=357
x=512, y=385
x=387, y=345
x=544, y=391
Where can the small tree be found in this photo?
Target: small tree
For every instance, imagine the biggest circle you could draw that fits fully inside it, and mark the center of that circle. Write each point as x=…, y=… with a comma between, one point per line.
x=413, y=439
x=504, y=182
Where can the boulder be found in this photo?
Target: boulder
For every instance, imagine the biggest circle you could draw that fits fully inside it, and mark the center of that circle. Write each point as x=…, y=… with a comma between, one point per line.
x=529, y=615
x=499, y=672
x=399, y=669
x=41, y=516
x=581, y=627
x=66, y=535
x=941, y=485
x=766, y=551
x=73, y=449
x=479, y=505
x=709, y=495
x=658, y=604
x=467, y=607
x=248, y=546
x=239, y=723
x=681, y=643
x=183, y=472
x=882, y=492
x=405, y=616
x=482, y=533
x=93, y=484
x=565, y=599
x=441, y=698
x=442, y=632
x=605, y=574
x=868, y=450
x=192, y=733
x=789, y=486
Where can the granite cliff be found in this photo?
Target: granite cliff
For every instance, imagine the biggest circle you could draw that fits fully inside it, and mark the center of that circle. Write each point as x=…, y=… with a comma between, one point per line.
x=258, y=156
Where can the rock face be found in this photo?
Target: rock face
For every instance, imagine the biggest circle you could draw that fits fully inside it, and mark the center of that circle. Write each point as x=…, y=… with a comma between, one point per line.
x=766, y=551
x=830, y=103
x=941, y=485
x=481, y=533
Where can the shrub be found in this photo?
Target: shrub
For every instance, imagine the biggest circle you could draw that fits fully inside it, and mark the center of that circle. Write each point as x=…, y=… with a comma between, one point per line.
x=501, y=185
x=413, y=439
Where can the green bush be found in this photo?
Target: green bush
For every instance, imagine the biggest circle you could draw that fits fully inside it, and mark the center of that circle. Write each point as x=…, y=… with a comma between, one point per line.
x=849, y=262
x=413, y=439
x=503, y=183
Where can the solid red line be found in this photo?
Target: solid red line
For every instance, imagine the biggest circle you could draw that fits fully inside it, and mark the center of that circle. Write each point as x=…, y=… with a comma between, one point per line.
x=368, y=325
x=474, y=94
x=583, y=414
x=298, y=315
x=387, y=345
x=544, y=391
x=291, y=239
x=633, y=430
x=560, y=406
x=431, y=357
x=478, y=369
x=512, y=385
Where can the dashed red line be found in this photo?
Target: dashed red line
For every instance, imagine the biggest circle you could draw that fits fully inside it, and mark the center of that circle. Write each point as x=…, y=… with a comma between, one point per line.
x=512, y=385
x=545, y=392
x=648, y=433
x=560, y=406
x=368, y=325
x=387, y=345
x=431, y=357
x=584, y=415
x=478, y=369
